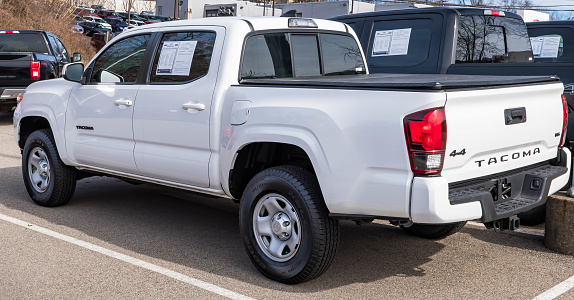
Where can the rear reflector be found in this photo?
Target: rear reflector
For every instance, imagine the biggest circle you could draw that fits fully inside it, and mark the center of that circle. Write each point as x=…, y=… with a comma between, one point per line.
x=35, y=70
x=489, y=12
x=425, y=132
x=565, y=120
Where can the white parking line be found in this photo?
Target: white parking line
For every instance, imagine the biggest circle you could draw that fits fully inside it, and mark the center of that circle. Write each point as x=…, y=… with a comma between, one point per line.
x=552, y=293
x=558, y=290
x=476, y=224
x=128, y=259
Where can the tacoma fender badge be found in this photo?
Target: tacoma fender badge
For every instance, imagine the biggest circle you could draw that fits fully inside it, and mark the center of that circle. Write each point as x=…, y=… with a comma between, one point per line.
x=454, y=153
x=85, y=127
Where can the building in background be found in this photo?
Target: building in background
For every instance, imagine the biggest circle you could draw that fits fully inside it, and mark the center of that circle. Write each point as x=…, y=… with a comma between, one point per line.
x=326, y=9
x=533, y=16
x=185, y=9
x=239, y=8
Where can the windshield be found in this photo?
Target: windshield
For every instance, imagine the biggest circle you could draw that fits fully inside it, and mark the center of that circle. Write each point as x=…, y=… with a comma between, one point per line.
x=492, y=39
x=120, y=22
x=99, y=25
x=23, y=42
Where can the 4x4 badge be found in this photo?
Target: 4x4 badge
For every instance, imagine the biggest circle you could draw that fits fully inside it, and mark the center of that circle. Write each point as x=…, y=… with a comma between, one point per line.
x=454, y=153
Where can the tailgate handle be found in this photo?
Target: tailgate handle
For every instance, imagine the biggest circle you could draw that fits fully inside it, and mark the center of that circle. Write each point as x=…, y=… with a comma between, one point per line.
x=515, y=115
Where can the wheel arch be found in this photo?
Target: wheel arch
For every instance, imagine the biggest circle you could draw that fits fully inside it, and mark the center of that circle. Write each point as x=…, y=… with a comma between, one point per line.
x=254, y=157
x=30, y=123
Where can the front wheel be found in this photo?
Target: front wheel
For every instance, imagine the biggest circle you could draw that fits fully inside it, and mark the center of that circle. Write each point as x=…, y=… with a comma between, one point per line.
x=285, y=225
x=48, y=180
x=433, y=231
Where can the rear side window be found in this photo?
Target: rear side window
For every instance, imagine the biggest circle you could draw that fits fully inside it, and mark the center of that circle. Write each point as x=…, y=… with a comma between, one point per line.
x=23, y=42
x=267, y=56
x=183, y=56
x=275, y=55
x=552, y=44
x=492, y=39
x=400, y=43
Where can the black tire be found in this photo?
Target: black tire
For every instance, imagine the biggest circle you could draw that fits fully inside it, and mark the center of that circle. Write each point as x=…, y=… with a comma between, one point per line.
x=60, y=184
x=534, y=216
x=433, y=231
x=318, y=233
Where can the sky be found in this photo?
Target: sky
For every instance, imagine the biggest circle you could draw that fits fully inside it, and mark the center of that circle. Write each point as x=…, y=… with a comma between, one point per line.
x=568, y=8
x=569, y=4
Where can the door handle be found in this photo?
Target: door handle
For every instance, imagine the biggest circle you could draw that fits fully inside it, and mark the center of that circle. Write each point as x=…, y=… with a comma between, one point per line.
x=122, y=103
x=190, y=106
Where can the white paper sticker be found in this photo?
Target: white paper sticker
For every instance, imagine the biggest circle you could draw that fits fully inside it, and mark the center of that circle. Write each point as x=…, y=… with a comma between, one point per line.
x=545, y=47
x=391, y=42
x=175, y=58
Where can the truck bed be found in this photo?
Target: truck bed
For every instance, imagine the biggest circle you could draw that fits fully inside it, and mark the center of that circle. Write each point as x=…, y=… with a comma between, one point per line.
x=405, y=81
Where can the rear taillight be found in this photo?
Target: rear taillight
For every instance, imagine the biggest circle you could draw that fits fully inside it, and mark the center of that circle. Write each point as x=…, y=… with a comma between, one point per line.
x=425, y=132
x=565, y=120
x=35, y=70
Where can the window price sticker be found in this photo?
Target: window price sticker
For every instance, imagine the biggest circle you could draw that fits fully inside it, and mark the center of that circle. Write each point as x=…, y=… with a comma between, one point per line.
x=175, y=58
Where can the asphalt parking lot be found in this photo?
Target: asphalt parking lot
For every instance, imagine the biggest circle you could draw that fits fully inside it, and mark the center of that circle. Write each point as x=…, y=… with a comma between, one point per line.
x=124, y=241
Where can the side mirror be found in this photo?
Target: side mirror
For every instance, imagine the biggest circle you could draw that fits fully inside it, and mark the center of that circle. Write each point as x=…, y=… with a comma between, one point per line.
x=77, y=56
x=73, y=72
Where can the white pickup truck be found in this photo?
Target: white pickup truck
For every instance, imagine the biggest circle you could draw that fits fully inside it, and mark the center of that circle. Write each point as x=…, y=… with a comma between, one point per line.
x=281, y=115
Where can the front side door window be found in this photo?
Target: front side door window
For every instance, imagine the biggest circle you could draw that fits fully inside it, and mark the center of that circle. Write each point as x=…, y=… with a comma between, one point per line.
x=121, y=62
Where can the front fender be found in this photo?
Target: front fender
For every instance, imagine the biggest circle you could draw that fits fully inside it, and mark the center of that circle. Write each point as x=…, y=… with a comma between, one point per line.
x=46, y=99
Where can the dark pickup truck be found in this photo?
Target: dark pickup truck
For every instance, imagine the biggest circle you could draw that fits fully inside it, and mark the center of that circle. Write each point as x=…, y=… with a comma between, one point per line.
x=553, y=49
x=27, y=56
x=448, y=40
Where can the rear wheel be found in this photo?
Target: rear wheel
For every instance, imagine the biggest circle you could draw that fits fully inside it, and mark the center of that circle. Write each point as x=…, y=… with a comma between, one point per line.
x=48, y=180
x=285, y=225
x=433, y=231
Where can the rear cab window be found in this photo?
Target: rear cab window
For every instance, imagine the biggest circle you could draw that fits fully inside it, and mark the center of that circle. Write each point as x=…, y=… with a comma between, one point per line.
x=23, y=42
x=492, y=39
x=298, y=54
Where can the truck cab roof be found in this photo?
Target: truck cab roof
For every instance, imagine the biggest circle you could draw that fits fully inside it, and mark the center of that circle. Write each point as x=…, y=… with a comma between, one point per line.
x=255, y=23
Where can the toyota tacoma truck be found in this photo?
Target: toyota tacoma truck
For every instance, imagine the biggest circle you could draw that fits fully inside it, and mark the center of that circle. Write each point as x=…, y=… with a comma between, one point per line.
x=28, y=56
x=281, y=115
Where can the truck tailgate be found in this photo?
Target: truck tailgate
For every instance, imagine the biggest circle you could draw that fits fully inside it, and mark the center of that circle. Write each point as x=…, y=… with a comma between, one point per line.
x=496, y=130
x=15, y=69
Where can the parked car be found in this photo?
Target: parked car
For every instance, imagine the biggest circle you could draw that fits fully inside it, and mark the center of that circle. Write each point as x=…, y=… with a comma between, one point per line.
x=118, y=24
x=28, y=56
x=98, y=40
x=136, y=23
x=98, y=20
x=76, y=29
x=446, y=40
x=92, y=27
x=133, y=16
x=77, y=19
x=280, y=115
x=104, y=13
x=84, y=11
